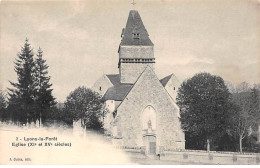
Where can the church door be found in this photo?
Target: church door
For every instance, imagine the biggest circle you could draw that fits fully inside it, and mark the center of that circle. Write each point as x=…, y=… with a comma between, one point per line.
x=150, y=144
x=152, y=148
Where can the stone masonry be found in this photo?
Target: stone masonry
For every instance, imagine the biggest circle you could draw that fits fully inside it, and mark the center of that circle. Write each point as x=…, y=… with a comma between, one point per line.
x=142, y=109
x=149, y=91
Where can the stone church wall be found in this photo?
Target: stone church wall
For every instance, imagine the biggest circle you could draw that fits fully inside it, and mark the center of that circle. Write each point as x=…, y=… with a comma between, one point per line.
x=172, y=87
x=149, y=91
x=129, y=72
x=109, y=118
x=102, y=84
x=136, y=52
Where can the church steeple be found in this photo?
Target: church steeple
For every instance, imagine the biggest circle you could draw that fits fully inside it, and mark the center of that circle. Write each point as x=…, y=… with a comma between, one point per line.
x=135, y=32
x=135, y=50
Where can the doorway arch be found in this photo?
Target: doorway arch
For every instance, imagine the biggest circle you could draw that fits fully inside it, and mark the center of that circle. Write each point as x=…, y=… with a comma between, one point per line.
x=149, y=123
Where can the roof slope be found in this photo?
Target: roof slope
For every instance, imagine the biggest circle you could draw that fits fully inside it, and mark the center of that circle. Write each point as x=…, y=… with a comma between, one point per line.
x=135, y=24
x=117, y=92
x=114, y=78
x=149, y=83
x=165, y=80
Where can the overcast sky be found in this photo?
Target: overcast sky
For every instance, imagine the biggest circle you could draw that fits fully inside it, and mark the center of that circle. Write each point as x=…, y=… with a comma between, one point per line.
x=80, y=39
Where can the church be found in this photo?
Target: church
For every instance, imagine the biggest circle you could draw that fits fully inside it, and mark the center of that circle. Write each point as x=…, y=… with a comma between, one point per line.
x=142, y=108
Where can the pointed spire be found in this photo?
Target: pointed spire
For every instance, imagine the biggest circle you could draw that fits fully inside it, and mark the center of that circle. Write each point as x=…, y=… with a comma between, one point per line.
x=135, y=32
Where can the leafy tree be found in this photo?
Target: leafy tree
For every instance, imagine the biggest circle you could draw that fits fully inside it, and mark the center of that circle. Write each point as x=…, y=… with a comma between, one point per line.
x=21, y=96
x=56, y=113
x=231, y=87
x=240, y=120
x=86, y=105
x=43, y=92
x=243, y=87
x=257, y=86
x=246, y=114
x=255, y=106
x=204, y=103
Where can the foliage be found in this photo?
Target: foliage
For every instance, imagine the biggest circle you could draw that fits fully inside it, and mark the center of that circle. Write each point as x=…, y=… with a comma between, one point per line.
x=3, y=105
x=85, y=105
x=3, y=102
x=43, y=92
x=246, y=114
x=59, y=114
x=22, y=95
x=255, y=107
x=204, y=103
x=250, y=144
x=226, y=143
x=195, y=142
x=243, y=87
x=31, y=95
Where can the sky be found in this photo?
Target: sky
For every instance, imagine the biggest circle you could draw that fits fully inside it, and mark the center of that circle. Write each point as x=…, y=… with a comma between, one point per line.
x=80, y=39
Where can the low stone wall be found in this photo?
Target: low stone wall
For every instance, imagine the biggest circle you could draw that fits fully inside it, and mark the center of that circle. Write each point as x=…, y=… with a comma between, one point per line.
x=203, y=157
x=197, y=156
x=132, y=152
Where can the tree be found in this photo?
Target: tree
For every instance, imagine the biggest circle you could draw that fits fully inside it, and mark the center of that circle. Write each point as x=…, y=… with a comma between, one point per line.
x=240, y=120
x=231, y=87
x=246, y=114
x=204, y=102
x=31, y=96
x=43, y=92
x=243, y=87
x=257, y=86
x=86, y=105
x=3, y=105
x=255, y=107
x=3, y=102
x=21, y=97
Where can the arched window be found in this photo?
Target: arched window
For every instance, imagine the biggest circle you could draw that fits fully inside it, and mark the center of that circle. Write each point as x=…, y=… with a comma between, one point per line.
x=149, y=118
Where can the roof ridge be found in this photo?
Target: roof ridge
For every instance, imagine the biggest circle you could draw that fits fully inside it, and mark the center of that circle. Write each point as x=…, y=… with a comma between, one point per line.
x=159, y=82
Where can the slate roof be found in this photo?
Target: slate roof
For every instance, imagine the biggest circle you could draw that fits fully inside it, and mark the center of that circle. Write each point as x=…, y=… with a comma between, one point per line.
x=165, y=80
x=135, y=24
x=114, y=79
x=117, y=92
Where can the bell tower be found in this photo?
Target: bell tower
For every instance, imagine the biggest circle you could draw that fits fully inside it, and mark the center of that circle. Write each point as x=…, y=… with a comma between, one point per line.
x=135, y=50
